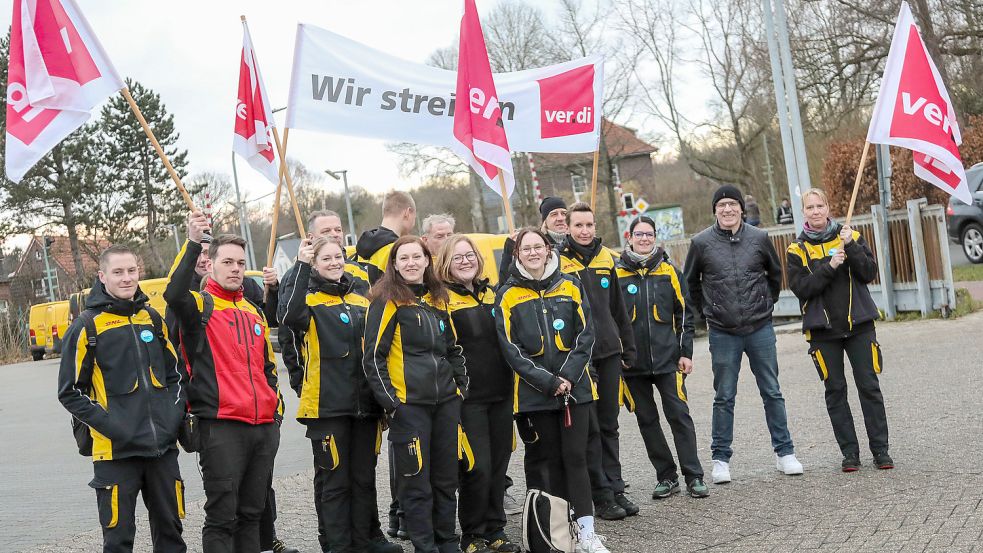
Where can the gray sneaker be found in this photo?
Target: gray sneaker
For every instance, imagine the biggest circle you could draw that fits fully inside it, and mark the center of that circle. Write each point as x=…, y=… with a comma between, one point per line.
x=665, y=488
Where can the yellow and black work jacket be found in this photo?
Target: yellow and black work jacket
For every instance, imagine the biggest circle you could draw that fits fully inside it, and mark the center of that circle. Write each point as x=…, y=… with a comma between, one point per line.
x=656, y=297
x=411, y=354
x=594, y=265
x=331, y=317
x=372, y=251
x=835, y=303
x=546, y=332
x=131, y=395
x=473, y=316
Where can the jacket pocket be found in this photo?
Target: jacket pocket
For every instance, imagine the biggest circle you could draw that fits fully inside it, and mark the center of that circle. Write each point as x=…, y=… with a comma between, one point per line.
x=877, y=358
x=328, y=455
x=817, y=359
x=407, y=455
x=107, y=501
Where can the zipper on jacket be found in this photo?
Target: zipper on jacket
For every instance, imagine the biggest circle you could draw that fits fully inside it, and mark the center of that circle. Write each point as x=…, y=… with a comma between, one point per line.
x=145, y=384
x=249, y=365
x=548, y=345
x=432, y=338
x=849, y=309
x=356, y=389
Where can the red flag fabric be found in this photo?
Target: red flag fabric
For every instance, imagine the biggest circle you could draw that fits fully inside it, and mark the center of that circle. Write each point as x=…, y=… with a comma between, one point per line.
x=479, y=134
x=254, y=119
x=58, y=73
x=913, y=111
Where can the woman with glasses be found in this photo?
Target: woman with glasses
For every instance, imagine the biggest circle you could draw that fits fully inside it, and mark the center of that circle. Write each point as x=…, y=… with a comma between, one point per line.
x=486, y=415
x=545, y=331
x=656, y=297
x=417, y=373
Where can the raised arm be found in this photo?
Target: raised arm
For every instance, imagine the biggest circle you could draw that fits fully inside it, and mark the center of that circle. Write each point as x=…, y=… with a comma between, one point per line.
x=806, y=282
x=297, y=315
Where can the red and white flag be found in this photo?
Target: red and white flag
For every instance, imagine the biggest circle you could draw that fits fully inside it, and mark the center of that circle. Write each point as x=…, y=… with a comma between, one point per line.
x=254, y=119
x=58, y=73
x=479, y=133
x=913, y=111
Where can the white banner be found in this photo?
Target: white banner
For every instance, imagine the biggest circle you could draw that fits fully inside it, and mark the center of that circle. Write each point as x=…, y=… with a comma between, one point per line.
x=340, y=86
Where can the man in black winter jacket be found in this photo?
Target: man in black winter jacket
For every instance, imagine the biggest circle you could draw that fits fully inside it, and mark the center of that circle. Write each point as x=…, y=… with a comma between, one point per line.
x=734, y=277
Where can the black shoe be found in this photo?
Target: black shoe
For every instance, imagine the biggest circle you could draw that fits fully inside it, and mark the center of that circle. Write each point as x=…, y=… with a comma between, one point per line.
x=474, y=545
x=883, y=461
x=665, y=488
x=280, y=547
x=393, y=529
x=626, y=503
x=697, y=488
x=610, y=511
x=503, y=545
x=382, y=545
x=851, y=463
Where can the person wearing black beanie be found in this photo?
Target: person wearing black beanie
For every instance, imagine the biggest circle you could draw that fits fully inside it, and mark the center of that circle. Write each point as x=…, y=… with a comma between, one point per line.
x=550, y=203
x=727, y=191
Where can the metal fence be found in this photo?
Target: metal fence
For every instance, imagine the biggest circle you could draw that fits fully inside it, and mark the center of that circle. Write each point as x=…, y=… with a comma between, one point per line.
x=921, y=271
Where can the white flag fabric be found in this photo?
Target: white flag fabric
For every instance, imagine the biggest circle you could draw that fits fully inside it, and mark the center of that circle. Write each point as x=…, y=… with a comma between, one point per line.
x=913, y=111
x=254, y=119
x=340, y=86
x=58, y=74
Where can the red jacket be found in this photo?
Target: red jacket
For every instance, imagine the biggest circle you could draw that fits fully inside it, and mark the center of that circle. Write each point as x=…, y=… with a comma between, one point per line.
x=233, y=368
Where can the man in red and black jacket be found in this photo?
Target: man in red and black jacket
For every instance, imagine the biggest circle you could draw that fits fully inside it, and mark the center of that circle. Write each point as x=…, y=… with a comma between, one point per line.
x=232, y=388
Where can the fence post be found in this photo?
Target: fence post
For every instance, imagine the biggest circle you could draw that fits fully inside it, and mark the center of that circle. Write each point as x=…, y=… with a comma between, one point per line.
x=918, y=254
x=950, y=288
x=882, y=245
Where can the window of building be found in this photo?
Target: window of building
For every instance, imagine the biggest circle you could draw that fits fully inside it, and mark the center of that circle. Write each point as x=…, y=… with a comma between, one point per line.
x=37, y=254
x=579, y=184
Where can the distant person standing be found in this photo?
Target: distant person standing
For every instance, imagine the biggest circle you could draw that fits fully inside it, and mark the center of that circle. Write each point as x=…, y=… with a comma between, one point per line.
x=783, y=216
x=752, y=211
x=734, y=277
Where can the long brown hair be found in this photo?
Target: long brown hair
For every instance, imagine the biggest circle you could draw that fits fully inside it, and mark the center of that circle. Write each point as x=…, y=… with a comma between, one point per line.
x=392, y=286
x=444, y=261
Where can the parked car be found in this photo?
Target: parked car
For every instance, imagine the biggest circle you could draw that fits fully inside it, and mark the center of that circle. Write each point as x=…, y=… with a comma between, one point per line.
x=965, y=221
x=47, y=324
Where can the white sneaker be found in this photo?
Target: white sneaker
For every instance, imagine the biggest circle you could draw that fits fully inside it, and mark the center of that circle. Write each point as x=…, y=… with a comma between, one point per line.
x=788, y=464
x=721, y=472
x=593, y=543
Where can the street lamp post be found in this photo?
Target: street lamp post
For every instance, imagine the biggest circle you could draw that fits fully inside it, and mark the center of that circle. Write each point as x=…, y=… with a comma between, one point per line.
x=348, y=199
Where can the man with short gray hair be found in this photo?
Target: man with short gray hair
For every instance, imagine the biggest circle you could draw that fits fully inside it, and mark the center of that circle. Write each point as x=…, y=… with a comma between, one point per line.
x=437, y=229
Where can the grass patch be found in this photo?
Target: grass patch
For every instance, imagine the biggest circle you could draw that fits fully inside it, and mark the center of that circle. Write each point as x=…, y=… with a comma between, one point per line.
x=966, y=273
x=965, y=304
x=13, y=339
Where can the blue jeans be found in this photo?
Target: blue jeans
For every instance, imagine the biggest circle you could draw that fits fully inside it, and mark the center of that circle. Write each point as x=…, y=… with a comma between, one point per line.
x=726, y=351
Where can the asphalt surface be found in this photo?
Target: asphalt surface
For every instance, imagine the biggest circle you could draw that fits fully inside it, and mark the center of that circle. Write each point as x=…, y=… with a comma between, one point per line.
x=930, y=502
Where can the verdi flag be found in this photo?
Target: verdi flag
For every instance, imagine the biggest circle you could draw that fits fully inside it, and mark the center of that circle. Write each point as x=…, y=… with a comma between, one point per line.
x=479, y=132
x=913, y=111
x=254, y=118
x=58, y=73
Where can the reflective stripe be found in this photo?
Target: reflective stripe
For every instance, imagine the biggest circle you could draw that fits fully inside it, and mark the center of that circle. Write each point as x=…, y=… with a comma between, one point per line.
x=114, y=505
x=378, y=437
x=464, y=451
x=179, y=495
x=875, y=353
x=822, y=364
x=626, y=396
x=680, y=389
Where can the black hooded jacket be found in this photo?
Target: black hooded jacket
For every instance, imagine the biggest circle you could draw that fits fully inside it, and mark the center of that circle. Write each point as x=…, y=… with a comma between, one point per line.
x=473, y=317
x=372, y=251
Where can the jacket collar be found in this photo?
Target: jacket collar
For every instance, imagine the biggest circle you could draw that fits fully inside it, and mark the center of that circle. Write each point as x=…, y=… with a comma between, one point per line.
x=216, y=290
x=479, y=286
x=338, y=287
x=101, y=300
x=526, y=280
x=658, y=256
x=585, y=254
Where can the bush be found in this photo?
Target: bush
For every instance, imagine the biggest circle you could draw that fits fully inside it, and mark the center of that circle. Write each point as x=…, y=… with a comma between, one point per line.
x=13, y=338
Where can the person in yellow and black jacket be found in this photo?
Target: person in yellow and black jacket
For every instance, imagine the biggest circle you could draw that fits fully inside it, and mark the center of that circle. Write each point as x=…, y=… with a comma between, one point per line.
x=829, y=268
x=546, y=332
x=343, y=419
x=124, y=384
x=656, y=297
x=232, y=391
x=486, y=416
x=418, y=375
x=583, y=255
x=398, y=219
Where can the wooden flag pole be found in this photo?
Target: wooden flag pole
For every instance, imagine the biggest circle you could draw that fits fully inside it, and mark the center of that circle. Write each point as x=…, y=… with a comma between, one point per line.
x=276, y=202
x=160, y=151
x=856, y=183
x=506, y=204
x=282, y=152
x=593, y=181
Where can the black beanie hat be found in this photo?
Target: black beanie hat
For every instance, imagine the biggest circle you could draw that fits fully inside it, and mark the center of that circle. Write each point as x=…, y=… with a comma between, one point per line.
x=727, y=191
x=640, y=219
x=549, y=204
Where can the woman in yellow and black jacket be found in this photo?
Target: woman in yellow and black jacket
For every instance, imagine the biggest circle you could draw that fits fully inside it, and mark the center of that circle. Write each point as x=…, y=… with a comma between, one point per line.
x=546, y=333
x=486, y=416
x=417, y=373
x=829, y=268
x=342, y=417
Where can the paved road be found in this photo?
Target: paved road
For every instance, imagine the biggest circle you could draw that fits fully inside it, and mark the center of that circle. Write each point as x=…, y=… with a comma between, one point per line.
x=931, y=502
x=957, y=255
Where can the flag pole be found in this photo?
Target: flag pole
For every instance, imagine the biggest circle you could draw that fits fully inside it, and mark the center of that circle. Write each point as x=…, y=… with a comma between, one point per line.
x=856, y=183
x=276, y=202
x=593, y=181
x=506, y=205
x=282, y=152
x=160, y=151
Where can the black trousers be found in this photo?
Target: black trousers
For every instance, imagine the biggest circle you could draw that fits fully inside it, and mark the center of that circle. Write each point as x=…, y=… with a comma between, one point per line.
x=672, y=391
x=267, y=522
x=865, y=358
x=535, y=461
x=481, y=510
x=565, y=451
x=158, y=480
x=425, y=443
x=237, y=468
x=604, y=463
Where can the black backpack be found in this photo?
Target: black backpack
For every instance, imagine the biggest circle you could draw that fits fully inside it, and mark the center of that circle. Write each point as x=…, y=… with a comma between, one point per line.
x=83, y=437
x=547, y=524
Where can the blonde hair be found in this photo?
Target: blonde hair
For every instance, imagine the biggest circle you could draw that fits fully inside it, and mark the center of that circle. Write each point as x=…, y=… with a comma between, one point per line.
x=818, y=192
x=447, y=252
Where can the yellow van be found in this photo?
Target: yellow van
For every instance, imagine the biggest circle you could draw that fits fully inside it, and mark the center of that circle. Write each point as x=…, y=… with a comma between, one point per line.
x=46, y=328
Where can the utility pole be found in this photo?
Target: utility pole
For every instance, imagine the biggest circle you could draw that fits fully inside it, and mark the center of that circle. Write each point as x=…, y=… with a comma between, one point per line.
x=771, y=181
x=348, y=198
x=243, y=221
x=46, y=241
x=883, y=152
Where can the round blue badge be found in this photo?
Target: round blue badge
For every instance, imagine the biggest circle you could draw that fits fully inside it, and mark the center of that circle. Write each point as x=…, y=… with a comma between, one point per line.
x=632, y=289
x=558, y=324
x=345, y=318
x=605, y=282
x=147, y=336
x=258, y=329
x=441, y=326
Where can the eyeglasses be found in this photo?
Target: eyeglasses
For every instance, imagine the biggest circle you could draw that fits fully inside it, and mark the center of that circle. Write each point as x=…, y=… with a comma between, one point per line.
x=459, y=258
x=538, y=248
x=643, y=234
x=724, y=205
